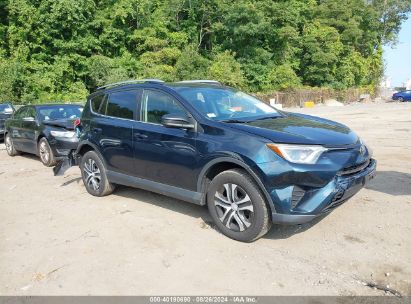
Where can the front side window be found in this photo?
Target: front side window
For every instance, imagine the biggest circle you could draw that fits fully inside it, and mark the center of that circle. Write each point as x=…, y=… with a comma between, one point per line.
x=31, y=112
x=122, y=104
x=225, y=103
x=156, y=104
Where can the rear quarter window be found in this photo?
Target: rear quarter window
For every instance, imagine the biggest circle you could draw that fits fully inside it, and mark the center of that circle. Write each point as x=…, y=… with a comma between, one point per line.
x=97, y=104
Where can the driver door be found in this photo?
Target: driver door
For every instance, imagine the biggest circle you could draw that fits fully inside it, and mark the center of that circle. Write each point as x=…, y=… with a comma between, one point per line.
x=161, y=154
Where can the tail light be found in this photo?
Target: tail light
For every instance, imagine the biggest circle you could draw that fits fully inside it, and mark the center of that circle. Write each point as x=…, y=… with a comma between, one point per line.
x=77, y=124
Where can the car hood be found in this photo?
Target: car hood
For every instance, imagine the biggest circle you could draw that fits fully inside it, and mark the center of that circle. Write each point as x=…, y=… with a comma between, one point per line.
x=61, y=123
x=295, y=128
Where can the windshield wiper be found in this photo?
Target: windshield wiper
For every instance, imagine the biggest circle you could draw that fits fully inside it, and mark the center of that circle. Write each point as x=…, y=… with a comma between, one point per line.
x=233, y=121
x=268, y=117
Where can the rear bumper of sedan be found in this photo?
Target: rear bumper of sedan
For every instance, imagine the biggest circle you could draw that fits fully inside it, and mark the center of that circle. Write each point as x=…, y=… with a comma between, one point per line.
x=300, y=205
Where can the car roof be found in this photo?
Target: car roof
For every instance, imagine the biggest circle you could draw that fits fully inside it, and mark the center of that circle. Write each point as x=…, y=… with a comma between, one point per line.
x=46, y=105
x=158, y=84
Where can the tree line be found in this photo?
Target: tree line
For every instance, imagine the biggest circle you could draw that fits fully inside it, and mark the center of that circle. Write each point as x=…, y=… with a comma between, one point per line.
x=60, y=50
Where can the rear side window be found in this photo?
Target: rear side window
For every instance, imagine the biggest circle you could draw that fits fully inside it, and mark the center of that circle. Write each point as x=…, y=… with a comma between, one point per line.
x=97, y=104
x=122, y=104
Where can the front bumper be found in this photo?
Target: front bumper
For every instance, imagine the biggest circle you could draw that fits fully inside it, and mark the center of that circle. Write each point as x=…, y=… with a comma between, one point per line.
x=306, y=204
x=62, y=147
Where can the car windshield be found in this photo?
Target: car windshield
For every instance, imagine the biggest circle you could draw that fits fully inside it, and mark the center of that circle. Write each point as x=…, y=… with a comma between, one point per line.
x=224, y=104
x=59, y=112
x=5, y=108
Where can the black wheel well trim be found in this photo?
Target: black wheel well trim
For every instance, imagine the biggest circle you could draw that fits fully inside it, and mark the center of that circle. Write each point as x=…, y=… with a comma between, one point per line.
x=41, y=135
x=86, y=143
x=201, y=183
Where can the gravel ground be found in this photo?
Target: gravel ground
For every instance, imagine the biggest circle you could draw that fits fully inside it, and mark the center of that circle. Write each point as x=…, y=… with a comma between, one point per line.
x=55, y=239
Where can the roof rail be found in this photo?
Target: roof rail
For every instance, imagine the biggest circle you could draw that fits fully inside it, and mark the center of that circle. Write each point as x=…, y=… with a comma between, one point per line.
x=129, y=82
x=200, y=81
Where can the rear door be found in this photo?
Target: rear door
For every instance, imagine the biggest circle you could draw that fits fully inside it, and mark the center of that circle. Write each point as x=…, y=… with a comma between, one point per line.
x=14, y=126
x=112, y=129
x=164, y=155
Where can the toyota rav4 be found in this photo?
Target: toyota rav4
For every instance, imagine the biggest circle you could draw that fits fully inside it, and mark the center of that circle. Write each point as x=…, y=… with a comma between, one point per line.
x=209, y=144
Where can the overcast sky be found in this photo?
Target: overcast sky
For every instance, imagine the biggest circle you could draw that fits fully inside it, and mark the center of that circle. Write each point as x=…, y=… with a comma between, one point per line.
x=398, y=59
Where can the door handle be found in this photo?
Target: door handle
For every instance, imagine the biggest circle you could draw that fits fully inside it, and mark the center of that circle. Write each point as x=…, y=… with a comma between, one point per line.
x=97, y=130
x=140, y=136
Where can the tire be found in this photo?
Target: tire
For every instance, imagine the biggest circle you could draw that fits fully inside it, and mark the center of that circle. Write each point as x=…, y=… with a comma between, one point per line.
x=400, y=99
x=94, y=175
x=45, y=153
x=243, y=217
x=11, y=151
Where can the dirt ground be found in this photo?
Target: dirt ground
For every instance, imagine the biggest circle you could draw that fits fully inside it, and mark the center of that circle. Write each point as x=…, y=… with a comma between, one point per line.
x=56, y=239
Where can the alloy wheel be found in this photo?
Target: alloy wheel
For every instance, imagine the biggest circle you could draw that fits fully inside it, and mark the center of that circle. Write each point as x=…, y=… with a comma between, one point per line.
x=92, y=174
x=234, y=207
x=44, y=152
x=9, y=144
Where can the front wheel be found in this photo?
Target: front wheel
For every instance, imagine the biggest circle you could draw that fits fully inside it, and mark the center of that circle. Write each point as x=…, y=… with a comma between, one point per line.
x=45, y=153
x=400, y=99
x=11, y=151
x=237, y=206
x=94, y=175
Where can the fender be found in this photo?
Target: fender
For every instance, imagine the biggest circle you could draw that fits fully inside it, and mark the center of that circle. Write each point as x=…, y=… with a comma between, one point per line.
x=86, y=142
x=237, y=161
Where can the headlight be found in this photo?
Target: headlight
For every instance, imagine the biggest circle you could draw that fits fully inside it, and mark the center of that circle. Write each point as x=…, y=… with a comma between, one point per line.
x=299, y=154
x=65, y=134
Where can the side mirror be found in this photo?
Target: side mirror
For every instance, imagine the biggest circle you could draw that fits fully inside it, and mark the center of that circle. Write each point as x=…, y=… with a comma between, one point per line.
x=28, y=119
x=177, y=121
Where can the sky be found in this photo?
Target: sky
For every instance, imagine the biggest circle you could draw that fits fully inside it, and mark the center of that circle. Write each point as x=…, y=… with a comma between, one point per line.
x=398, y=58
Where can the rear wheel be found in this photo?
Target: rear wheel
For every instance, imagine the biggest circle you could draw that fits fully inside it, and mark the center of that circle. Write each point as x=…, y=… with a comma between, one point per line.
x=45, y=153
x=94, y=175
x=237, y=206
x=10, y=146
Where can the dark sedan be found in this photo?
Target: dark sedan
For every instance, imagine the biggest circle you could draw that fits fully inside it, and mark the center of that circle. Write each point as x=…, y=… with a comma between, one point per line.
x=6, y=111
x=44, y=130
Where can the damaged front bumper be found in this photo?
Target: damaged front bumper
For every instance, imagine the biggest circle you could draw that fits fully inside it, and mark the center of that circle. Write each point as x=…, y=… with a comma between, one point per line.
x=65, y=163
x=306, y=204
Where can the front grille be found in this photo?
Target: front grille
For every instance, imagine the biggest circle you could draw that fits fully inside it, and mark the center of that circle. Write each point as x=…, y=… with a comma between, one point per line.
x=354, y=169
x=334, y=205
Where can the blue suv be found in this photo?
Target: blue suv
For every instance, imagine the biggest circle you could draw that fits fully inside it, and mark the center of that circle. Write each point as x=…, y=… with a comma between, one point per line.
x=209, y=144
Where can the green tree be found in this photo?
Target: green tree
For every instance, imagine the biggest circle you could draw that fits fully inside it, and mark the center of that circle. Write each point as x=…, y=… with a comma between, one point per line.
x=60, y=50
x=227, y=70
